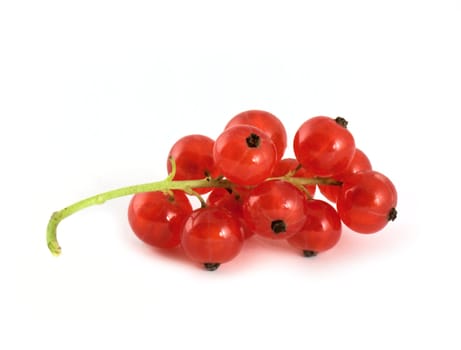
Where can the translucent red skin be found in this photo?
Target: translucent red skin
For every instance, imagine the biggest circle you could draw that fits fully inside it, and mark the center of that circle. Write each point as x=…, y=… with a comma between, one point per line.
x=239, y=163
x=286, y=165
x=360, y=162
x=365, y=201
x=212, y=235
x=265, y=121
x=322, y=229
x=220, y=197
x=274, y=200
x=323, y=147
x=156, y=219
x=193, y=155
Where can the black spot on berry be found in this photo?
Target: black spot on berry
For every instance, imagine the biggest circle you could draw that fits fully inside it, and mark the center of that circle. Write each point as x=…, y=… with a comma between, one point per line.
x=253, y=141
x=278, y=226
x=341, y=121
x=309, y=253
x=211, y=266
x=392, y=214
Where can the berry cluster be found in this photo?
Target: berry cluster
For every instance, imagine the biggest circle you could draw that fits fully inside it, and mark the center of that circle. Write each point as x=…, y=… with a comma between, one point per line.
x=246, y=187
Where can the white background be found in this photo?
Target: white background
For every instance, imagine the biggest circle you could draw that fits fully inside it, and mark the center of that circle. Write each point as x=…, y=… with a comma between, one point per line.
x=94, y=93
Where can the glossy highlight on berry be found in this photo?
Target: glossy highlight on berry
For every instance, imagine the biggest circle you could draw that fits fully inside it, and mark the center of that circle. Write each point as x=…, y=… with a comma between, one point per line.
x=266, y=122
x=212, y=236
x=275, y=209
x=157, y=218
x=360, y=162
x=323, y=146
x=194, y=158
x=367, y=201
x=321, y=230
x=244, y=155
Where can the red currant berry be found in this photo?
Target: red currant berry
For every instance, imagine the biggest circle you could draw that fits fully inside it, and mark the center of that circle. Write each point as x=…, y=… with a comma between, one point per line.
x=157, y=218
x=360, y=162
x=323, y=146
x=321, y=230
x=232, y=201
x=367, y=201
x=245, y=155
x=275, y=209
x=212, y=236
x=286, y=165
x=268, y=123
x=193, y=155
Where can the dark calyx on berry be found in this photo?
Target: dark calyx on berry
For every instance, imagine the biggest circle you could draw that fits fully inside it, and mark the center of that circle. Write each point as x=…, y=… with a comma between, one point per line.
x=211, y=266
x=253, y=140
x=341, y=121
x=392, y=214
x=278, y=226
x=309, y=253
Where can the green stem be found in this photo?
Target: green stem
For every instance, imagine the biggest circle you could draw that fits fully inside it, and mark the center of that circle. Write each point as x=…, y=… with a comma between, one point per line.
x=165, y=186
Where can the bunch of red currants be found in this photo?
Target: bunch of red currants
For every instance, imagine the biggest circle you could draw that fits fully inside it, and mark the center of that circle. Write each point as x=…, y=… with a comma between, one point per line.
x=246, y=187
